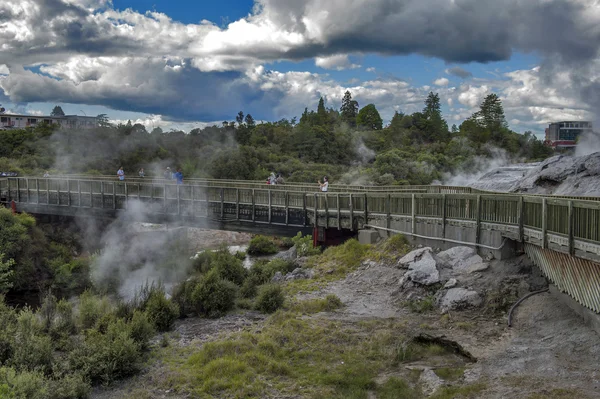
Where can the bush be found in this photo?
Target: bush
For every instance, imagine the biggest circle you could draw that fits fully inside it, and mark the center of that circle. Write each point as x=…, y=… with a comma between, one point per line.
x=214, y=296
x=261, y=245
x=63, y=323
x=106, y=357
x=142, y=329
x=278, y=265
x=91, y=309
x=31, y=350
x=161, y=311
x=270, y=298
x=23, y=385
x=304, y=245
x=229, y=267
x=70, y=386
x=182, y=296
x=201, y=262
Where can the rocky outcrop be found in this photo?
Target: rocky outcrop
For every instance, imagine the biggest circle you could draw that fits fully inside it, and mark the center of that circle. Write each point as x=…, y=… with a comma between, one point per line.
x=462, y=260
x=422, y=267
x=459, y=298
x=290, y=254
x=297, y=274
x=560, y=174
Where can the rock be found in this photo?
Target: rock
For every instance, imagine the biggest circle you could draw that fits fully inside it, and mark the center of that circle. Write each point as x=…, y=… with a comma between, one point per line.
x=477, y=267
x=451, y=283
x=424, y=271
x=299, y=274
x=277, y=278
x=430, y=382
x=412, y=256
x=460, y=298
x=290, y=254
x=462, y=259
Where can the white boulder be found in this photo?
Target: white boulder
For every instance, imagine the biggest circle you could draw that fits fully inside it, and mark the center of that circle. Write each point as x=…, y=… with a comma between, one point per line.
x=460, y=298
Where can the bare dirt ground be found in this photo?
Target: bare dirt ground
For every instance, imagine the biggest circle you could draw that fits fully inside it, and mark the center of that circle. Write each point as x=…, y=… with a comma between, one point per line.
x=548, y=353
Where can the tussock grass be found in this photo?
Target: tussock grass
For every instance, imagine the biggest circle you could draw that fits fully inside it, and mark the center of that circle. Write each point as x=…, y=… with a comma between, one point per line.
x=328, y=359
x=310, y=306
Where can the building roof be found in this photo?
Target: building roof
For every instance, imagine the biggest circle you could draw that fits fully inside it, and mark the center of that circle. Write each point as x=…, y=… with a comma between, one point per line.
x=50, y=117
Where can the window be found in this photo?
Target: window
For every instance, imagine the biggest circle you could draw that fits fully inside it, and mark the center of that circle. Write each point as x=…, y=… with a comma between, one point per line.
x=32, y=121
x=3, y=119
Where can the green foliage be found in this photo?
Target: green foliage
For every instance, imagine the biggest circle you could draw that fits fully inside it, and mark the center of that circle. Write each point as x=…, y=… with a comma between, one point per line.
x=328, y=304
x=105, y=357
x=214, y=296
x=368, y=117
x=142, y=328
x=32, y=350
x=423, y=305
x=22, y=385
x=304, y=245
x=160, y=310
x=91, y=309
x=262, y=245
x=229, y=266
x=6, y=273
x=270, y=298
x=395, y=388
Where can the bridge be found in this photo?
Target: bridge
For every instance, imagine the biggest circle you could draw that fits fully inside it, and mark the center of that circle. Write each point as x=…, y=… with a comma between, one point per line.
x=560, y=234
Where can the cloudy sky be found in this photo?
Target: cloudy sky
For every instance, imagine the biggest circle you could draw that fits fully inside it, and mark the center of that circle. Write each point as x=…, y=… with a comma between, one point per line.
x=179, y=64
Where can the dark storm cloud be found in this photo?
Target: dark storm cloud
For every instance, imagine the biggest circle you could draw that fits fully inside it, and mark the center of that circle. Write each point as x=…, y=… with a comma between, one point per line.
x=459, y=72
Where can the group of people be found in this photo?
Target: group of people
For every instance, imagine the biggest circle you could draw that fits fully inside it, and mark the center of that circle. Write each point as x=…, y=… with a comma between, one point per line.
x=275, y=179
x=178, y=175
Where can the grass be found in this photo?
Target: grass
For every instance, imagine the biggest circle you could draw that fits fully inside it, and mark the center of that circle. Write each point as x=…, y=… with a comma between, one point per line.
x=328, y=359
x=310, y=306
x=449, y=373
x=426, y=304
x=460, y=392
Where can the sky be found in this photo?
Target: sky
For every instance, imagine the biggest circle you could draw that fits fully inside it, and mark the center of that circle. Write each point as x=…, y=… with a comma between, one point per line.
x=184, y=64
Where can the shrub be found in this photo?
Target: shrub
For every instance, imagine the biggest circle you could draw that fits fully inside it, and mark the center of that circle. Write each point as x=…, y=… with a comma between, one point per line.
x=245, y=303
x=22, y=385
x=31, y=350
x=278, y=265
x=141, y=328
x=214, y=296
x=229, y=267
x=182, y=296
x=396, y=243
x=106, y=357
x=201, y=262
x=270, y=298
x=161, y=311
x=91, y=309
x=63, y=324
x=249, y=289
x=261, y=245
x=8, y=323
x=70, y=386
x=304, y=245
x=333, y=302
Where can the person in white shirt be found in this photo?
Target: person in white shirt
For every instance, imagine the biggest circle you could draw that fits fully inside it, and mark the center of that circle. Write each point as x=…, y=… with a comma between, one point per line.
x=121, y=173
x=325, y=185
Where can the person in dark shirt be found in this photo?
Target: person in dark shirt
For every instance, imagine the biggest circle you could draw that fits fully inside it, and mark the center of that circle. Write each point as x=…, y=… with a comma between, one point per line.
x=179, y=176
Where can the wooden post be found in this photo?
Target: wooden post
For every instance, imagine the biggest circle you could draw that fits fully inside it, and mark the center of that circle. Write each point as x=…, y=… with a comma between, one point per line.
x=304, y=209
x=179, y=200
x=287, y=208
x=351, y=207
x=37, y=187
x=27, y=188
x=79, y=192
x=443, y=216
x=270, y=209
x=253, y=206
x=571, y=229
x=522, y=219
x=326, y=212
x=544, y=222
x=138, y=188
x=222, y=203
x=47, y=192
x=413, y=216
x=237, y=204
x=316, y=224
x=366, y=210
x=126, y=196
x=388, y=217
x=19, y=191
x=339, y=213
x=114, y=195
x=102, y=193
x=91, y=195
x=478, y=220
x=57, y=192
x=207, y=197
x=165, y=197
x=68, y=192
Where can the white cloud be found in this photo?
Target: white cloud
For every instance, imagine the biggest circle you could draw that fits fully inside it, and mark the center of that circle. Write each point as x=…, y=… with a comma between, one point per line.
x=370, y=69
x=441, y=82
x=4, y=69
x=338, y=62
x=472, y=95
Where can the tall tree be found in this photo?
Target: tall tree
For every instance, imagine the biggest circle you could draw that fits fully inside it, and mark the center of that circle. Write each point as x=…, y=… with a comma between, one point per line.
x=434, y=126
x=322, y=116
x=432, y=109
x=491, y=113
x=102, y=120
x=349, y=109
x=240, y=118
x=57, y=111
x=369, y=118
x=250, y=121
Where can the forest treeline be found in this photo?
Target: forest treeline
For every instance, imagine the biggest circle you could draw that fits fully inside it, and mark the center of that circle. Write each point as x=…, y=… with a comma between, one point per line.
x=349, y=144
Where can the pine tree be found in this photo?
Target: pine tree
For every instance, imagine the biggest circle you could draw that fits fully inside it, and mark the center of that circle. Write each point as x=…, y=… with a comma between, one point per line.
x=349, y=109
x=57, y=111
x=369, y=118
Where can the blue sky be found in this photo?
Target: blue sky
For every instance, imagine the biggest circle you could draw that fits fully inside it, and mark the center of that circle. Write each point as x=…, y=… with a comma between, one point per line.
x=182, y=73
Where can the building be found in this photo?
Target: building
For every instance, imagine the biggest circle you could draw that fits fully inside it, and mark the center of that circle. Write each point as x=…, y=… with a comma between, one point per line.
x=14, y=121
x=564, y=134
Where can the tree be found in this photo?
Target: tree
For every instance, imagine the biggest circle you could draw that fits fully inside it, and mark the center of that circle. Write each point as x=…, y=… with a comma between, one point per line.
x=156, y=131
x=491, y=114
x=322, y=117
x=432, y=109
x=349, y=109
x=240, y=118
x=57, y=111
x=369, y=118
x=250, y=121
x=6, y=273
x=102, y=120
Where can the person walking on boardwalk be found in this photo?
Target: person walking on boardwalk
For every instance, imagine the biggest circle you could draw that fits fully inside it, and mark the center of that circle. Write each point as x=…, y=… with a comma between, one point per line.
x=141, y=173
x=121, y=173
x=179, y=176
x=325, y=185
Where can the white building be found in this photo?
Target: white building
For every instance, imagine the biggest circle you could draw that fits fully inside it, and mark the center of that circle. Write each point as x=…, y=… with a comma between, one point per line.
x=14, y=121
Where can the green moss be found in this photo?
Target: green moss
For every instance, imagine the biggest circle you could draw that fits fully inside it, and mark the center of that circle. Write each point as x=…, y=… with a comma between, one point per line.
x=449, y=373
x=471, y=391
